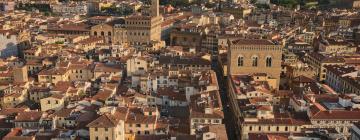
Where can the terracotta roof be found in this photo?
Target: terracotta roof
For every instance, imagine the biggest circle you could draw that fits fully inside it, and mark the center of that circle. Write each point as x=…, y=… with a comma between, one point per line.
x=340, y=70
x=264, y=107
x=53, y=71
x=107, y=68
x=30, y=116
x=16, y=134
x=9, y=111
x=171, y=94
x=136, y=116
x=303, y=79
x=252, y=42
x=70, y=27
x=102, y=95
x=322, y=114
x=104, y=121
x=57, y=96
x=64, y=112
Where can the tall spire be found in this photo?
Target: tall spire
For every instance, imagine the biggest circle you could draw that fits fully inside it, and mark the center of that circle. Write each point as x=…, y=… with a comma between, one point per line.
x=154, y=8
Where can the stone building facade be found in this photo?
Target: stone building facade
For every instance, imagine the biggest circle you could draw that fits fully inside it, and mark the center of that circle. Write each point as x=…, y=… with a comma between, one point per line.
x=134, y=30
x=249, y=56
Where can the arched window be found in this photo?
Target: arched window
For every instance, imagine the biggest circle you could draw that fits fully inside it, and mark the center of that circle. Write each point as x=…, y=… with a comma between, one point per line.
x=240, y=61
x=268, y=61
x=109, y=33
x=95, y=33
x=102, y=33
x=254, y=61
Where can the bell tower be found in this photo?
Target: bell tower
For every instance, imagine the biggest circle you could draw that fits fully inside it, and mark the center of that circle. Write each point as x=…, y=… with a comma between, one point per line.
x=154, y=8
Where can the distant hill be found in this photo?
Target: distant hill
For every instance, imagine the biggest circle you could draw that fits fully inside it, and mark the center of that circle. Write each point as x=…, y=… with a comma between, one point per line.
x=335, y=3
x=323, y=4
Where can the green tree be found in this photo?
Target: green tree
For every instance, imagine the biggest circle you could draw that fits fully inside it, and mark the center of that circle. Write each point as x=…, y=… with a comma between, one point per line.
x=286, y=3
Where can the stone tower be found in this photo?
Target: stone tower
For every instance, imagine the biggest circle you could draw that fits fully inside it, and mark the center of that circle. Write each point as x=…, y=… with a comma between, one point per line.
x=154, y=8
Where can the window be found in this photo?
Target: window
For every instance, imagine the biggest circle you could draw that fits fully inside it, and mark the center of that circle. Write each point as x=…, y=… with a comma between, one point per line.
x=56, y=102
x=240, y=61
x=277, y=128
x=268, y=61
x=106, y=138
x=106, y=129
x=254, y=61
x=96, y=138
x=138, y=132
x=96, y=129
x=138, y=125
x=146, y=125
x=286, y=128
x=147, y=132
x=109, y=33
x=250, y=128
x=95, y=33
x=259, y=128
x=102, y=33
x=49, y=102
x=150, y=113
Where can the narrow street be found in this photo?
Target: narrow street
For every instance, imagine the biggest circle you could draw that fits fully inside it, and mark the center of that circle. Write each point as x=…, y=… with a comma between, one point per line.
x=228, y=115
